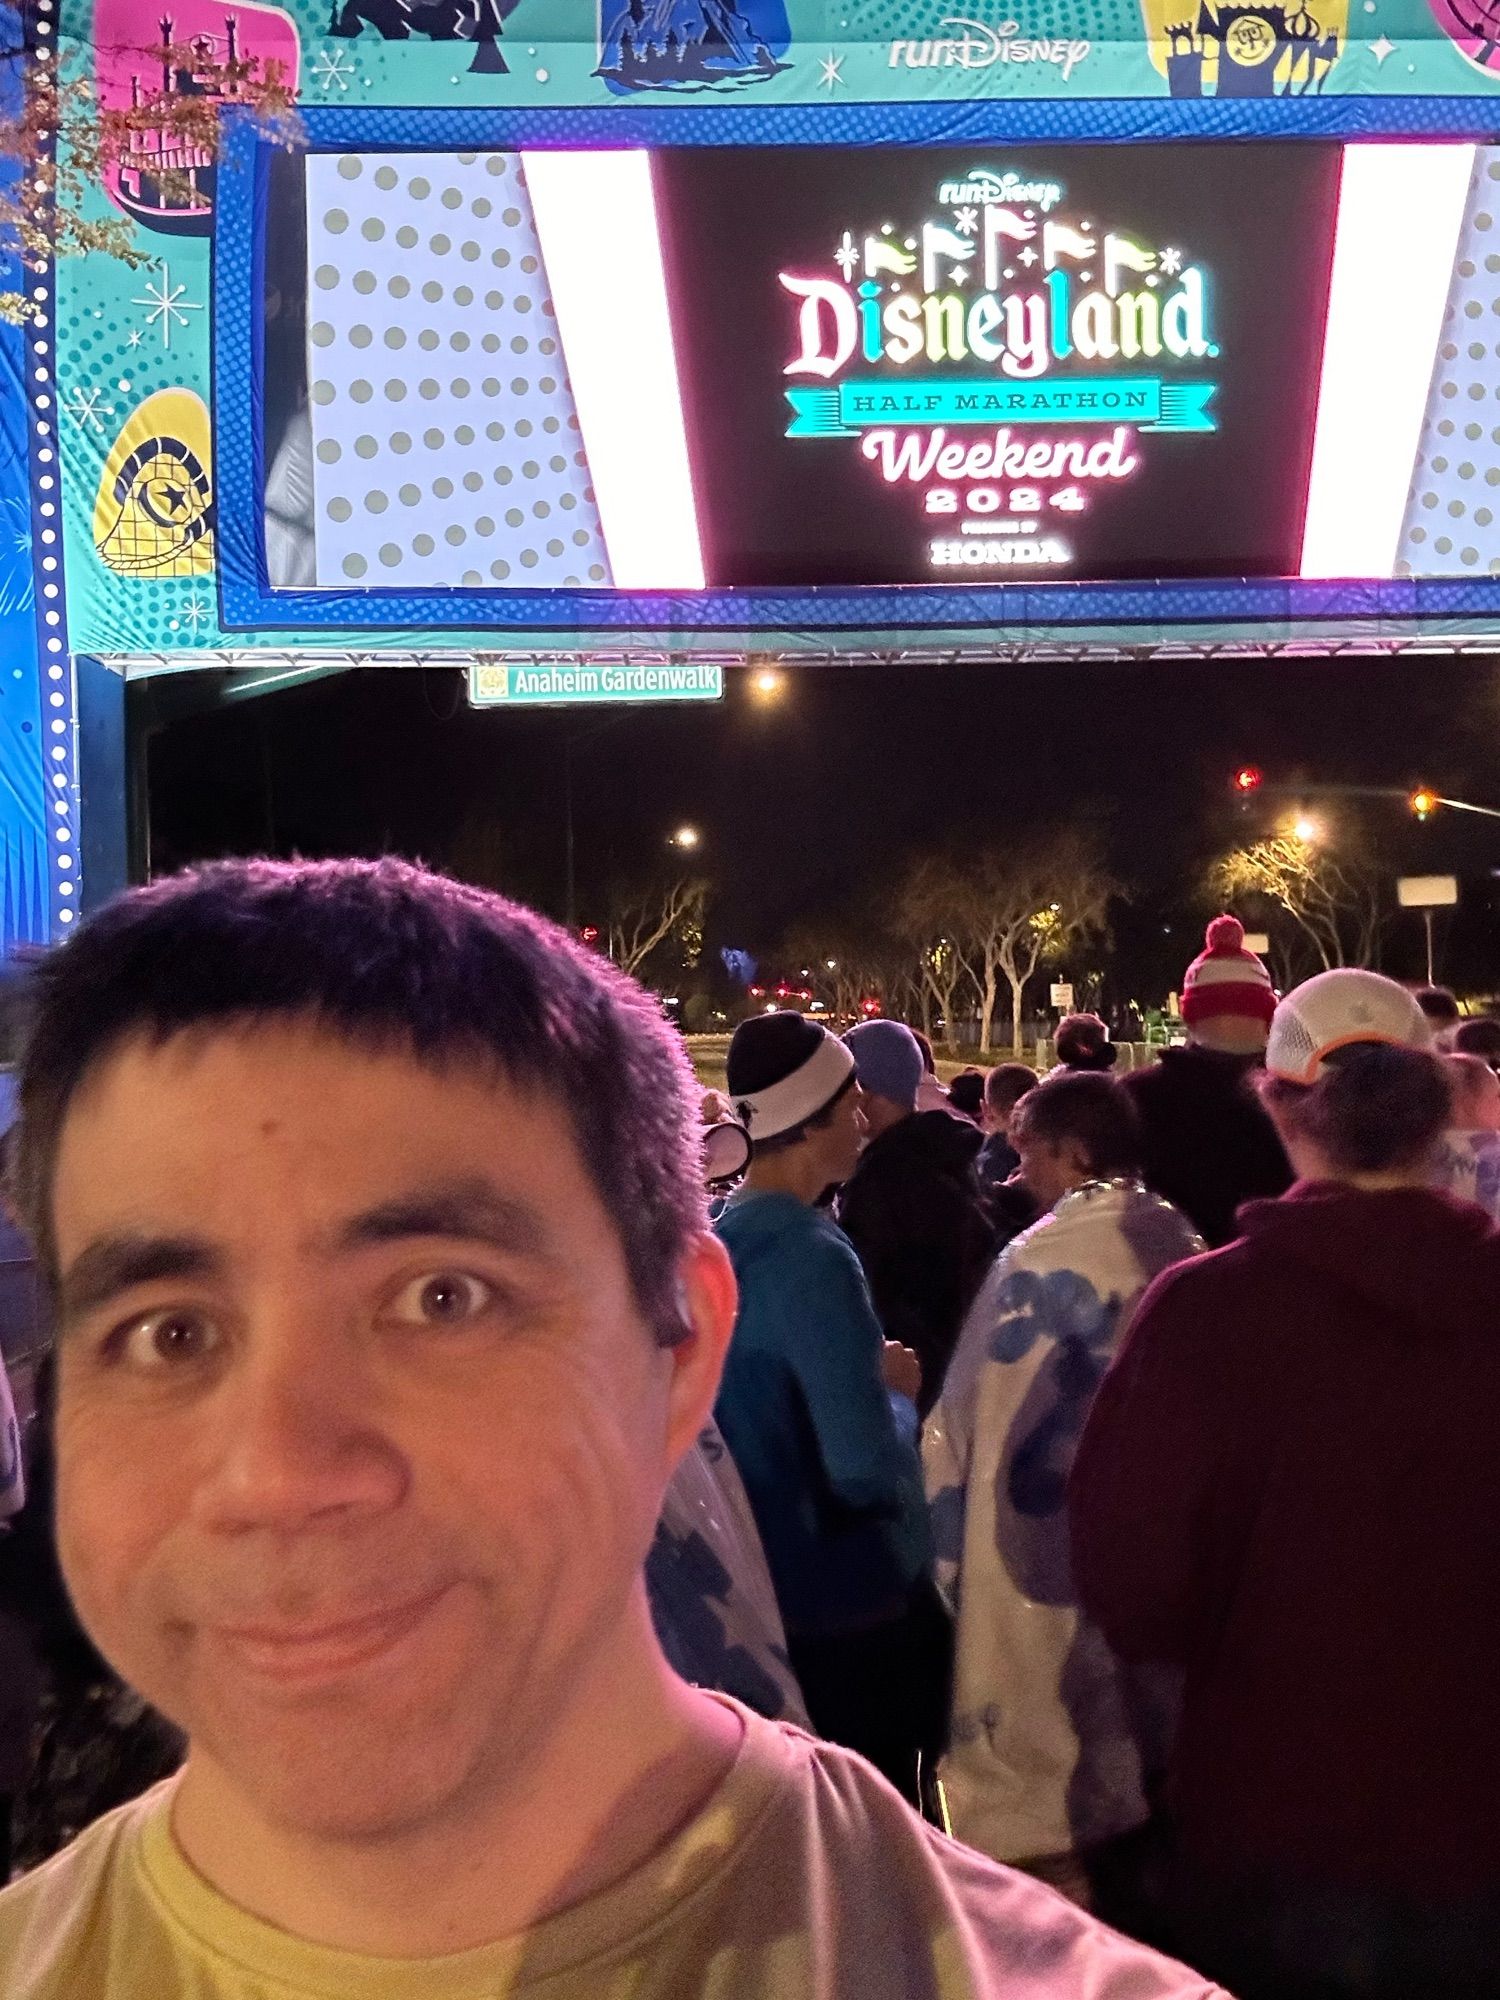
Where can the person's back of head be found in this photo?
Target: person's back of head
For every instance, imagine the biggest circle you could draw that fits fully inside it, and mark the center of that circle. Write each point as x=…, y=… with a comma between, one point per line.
x=1479, y=1037
x=1004, y=1087
x=1082, y=1042
x=1352, y=1081
x=1440, y=1007
x=888, y=1063
x=1227, y=996
x=966, y=1093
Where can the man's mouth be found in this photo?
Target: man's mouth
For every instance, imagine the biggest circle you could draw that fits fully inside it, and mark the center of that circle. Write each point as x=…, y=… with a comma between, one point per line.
x=307, y=1650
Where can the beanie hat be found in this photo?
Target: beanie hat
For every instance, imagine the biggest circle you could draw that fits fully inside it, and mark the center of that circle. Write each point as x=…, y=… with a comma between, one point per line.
x=784, y=1069
x=887, y=1061
x=1227, y=980
x=1338, y=1010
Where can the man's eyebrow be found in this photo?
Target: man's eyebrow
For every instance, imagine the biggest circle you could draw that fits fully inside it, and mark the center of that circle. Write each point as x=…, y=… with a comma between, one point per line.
x=113, y=1265
x=470, y=1207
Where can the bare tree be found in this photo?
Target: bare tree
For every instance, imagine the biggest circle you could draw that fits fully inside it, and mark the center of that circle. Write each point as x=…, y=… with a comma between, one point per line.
x=645, y=917
x=1023, y=908
x=928, y=912
x=1330, y=895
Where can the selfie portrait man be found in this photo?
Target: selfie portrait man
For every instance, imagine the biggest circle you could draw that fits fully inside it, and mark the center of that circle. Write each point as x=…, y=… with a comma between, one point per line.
x=386, y=1306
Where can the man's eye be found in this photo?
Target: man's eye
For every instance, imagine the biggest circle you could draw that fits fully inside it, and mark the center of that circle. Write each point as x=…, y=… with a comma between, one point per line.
x=442, y=1298
x=165, y=1340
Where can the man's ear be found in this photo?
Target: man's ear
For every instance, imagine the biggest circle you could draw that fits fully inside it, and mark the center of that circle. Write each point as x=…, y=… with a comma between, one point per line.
x=709, y=1299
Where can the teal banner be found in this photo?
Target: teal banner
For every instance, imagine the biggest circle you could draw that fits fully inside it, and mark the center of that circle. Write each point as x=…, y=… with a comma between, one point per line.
x=1144, y=401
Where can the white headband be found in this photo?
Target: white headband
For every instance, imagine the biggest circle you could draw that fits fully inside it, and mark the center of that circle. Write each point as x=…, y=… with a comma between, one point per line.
x=800, y=1096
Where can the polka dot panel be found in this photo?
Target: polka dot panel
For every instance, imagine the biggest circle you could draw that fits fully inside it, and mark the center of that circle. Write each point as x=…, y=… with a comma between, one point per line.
x=419, y=275
x=1452, y=525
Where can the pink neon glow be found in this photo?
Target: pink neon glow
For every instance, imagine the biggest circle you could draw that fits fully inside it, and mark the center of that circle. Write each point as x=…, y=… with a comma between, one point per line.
x=1400, y=212
x=596, y=218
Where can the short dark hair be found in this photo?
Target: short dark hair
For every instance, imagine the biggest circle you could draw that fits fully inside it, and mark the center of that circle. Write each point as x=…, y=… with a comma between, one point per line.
x=1438, y=1004
x=1092, y=1110
x=1479, y=1037
x=388, y=957
x=966, y=1092
x=1007, y=1083
x=929, y=1060
x=1375, y=1107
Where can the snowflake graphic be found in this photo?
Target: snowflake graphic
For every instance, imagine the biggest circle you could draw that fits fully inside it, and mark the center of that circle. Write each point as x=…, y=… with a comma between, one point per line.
x=847, y=257
x=87, y=408
x=195, y=612
x=960, y=274
x=166, y=302
x=831, y=75
x=1028, y=256
x=966, y=220
x=15, y=556
x=1171, y=262
x=332, y=68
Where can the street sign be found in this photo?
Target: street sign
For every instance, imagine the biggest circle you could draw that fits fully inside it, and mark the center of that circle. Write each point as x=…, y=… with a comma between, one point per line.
x=562, y=683
x=1427, y=892
x=1062, y=999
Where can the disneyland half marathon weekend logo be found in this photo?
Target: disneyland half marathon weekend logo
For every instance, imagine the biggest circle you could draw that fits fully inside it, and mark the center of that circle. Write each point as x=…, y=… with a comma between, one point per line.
x=964, y=44
x=1005, y=361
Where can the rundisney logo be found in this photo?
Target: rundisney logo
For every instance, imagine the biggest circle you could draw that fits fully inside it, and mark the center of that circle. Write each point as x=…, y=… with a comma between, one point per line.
x=977, y=45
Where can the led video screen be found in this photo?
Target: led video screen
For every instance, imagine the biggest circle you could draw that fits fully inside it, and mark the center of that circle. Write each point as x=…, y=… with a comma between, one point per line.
x=793, y=367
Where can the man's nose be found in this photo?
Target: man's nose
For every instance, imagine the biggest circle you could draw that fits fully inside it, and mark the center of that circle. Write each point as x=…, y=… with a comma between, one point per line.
x=300, y=1433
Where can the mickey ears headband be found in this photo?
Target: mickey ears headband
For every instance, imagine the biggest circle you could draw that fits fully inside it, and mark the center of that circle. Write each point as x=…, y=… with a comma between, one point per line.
x=726, y=1151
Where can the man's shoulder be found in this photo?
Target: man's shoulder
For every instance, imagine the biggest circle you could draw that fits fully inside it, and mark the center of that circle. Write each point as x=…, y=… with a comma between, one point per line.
x=989, y=1931
x=55, y=1921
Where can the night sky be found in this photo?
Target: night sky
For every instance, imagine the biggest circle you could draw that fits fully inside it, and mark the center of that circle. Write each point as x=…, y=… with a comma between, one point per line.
x=811, y=806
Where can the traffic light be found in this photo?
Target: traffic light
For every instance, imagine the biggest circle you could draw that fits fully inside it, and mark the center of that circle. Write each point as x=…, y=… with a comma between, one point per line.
x=1247, y=779
x=1424, y=803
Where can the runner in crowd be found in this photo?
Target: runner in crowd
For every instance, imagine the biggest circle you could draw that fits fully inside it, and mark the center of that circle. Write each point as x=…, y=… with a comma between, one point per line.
x=966, y=1094
x=1082, y=1042
x=1289, y=1485
x=1442, y=1011
x=1209, y=1144
x=827, y=1455
x=1004, y=1087
x=373, y=1208
x=912, y=1207
x=1057, y=1747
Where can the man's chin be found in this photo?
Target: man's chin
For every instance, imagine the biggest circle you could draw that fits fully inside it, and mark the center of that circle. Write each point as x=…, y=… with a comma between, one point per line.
x=352, y=1790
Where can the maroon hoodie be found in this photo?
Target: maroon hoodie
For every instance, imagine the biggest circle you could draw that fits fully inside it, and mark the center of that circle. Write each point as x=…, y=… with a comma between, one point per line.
x=1290, y=1485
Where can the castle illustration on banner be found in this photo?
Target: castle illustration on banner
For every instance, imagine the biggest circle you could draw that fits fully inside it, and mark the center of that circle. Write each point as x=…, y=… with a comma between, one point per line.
x=691, y=45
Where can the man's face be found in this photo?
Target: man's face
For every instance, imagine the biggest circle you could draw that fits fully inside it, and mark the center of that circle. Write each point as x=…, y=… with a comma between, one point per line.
x=361, y=1435
x=839, y=1141
x=1049, y=1168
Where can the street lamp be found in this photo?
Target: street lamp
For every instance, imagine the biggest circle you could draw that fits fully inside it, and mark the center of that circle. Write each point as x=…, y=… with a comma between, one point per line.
x=768, y=684
x=686, y=837
x=1306, y=830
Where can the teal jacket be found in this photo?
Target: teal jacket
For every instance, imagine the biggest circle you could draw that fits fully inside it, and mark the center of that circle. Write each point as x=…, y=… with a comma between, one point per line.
x=835, y=1486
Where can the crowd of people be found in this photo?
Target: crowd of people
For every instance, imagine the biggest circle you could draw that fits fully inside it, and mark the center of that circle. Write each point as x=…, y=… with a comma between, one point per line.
x=513, y=1521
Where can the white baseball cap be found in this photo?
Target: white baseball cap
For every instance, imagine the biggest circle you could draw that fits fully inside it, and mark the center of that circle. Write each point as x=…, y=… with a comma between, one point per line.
x=1336, y=1010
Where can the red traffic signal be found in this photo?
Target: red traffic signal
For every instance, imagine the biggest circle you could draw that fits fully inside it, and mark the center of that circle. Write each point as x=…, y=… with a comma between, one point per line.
x=1247, y=779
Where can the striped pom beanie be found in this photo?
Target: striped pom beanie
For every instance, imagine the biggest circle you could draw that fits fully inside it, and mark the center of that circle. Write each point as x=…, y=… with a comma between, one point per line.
x=1227, y=982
